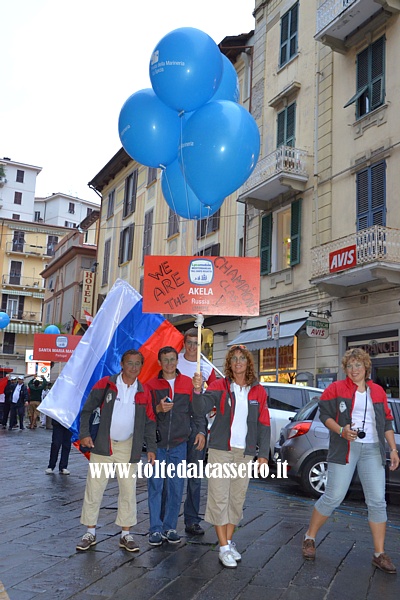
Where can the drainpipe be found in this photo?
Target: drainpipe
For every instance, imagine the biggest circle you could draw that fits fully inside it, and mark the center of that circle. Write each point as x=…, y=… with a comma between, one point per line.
x=315, y=166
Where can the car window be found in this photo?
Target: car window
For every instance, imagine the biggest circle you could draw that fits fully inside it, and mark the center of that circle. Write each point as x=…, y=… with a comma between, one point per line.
x=307, y=413
x=394, y=407
x=312, y=394
x=282, y=398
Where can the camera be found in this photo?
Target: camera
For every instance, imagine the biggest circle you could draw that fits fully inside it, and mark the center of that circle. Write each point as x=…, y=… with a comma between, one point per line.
x=168, y=399
x=361, y=434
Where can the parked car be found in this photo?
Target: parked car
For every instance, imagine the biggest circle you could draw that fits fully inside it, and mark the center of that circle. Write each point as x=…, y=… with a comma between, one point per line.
x=284, y=400
x=304, y=442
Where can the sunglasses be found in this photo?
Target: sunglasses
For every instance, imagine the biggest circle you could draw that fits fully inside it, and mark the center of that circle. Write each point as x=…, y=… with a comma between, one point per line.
x=239, y=347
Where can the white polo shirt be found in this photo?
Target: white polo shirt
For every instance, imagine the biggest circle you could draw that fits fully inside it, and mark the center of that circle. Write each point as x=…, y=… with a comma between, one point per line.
x=123, y=417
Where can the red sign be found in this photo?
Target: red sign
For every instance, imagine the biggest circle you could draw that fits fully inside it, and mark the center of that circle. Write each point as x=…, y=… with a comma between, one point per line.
x=54, y=347
x=212, y=285
x=345, y=258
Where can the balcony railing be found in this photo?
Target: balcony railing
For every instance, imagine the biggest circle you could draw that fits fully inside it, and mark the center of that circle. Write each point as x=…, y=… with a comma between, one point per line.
x=25, y=248
x=330, y=10
x=17, y=279
x=26, y=315
x=285, y=160
x=375, y=244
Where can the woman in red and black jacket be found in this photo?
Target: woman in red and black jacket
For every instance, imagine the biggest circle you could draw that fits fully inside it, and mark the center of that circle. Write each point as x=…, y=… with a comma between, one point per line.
x=241, y=424
x=357, y=414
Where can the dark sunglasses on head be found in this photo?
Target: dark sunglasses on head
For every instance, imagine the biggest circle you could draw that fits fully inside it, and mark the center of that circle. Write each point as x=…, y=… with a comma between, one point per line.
x=239, y=347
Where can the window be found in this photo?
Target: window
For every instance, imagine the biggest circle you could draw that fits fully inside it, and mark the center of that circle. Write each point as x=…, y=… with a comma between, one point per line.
x=16, y=217
x=206, y=226
x=20, y=176
x=141, y=286
x=106, y=262
x=8, y=343
x=110, y=205
x=282, y=398
x=286, y=121
x=13, y=305
x=370, y=79
x=89, y=211
x=209, y=251
x=280, y=239
x=289, y=29
x=126, y=244
x=17, y=197
x=18, y=241
x=15, y=272
x=37, y=216
x=147, y=233
x=173, y=223
x=151, y=175
x=52, y=241
x=371, y=196
x=130, y=194
x=71, y=208
x=69, y=224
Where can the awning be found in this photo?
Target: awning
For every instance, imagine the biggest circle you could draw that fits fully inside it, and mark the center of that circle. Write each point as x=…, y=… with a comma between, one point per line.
x=36, y=329
x=256, y=339
x=38, y=295
x=11, y=292
x=18, y=328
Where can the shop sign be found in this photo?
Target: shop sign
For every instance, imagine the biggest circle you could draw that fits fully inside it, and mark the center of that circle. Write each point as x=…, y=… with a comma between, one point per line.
x=345, y=258
x=317, y=328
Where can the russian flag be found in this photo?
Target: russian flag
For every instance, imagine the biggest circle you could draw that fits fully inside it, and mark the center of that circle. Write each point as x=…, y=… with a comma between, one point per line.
x=119, y=325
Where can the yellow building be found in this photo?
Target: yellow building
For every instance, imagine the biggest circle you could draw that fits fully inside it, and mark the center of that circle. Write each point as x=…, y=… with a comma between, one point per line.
x=25, y=250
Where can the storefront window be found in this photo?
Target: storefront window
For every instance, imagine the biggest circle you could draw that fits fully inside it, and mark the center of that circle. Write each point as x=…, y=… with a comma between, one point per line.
x=207, y=345
x=287, y=363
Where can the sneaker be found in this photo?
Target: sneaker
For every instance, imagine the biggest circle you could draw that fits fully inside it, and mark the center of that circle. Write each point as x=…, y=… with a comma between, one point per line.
x=155, y=538
x=171, y=536
x=86, y=542
x=226, y=558
x=128, y=543
x=64, y=472
x=233, y=550
x=308, y=549
x=384, y=563
x=194, y=529
x=49, y=471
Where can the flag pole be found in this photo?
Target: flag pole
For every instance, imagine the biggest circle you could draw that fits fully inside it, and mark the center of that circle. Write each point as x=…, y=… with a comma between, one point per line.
x=198, y=323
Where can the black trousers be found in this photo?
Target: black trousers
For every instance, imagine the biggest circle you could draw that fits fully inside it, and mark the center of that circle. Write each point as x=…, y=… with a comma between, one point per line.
x=61, y=438
x=17, y=410
x=6, y=412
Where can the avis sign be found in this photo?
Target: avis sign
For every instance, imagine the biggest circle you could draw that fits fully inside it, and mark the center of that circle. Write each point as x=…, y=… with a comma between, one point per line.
x=317, y=328
x=342, y=259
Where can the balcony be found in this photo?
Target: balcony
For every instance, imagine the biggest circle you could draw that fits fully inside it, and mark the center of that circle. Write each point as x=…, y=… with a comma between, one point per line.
x=337, y=20
x=367, y=259
x=16, y=247
x=16, y=279
x=282, y=171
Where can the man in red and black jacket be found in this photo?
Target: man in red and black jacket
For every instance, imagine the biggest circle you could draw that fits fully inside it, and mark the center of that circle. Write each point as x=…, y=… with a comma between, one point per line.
x=126, y=420
x=171, y=395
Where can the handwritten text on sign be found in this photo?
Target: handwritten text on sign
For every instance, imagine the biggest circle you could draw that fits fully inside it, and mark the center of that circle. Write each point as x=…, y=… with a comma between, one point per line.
x=214, y=285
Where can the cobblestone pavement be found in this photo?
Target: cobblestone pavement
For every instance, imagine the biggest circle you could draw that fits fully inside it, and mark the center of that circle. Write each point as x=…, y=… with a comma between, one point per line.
x=40, y=527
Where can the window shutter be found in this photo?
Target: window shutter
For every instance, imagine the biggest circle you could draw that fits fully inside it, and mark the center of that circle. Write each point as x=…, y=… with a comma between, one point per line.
x=21, y=301
x=290, y=124
x=106, y=262
x=362, y=199
x=378, y=193
x=265, y=244
x=293, y=30
x=295, y=231
x=134, y=191
x=280, y=138
x=284, y=38
x=4, y=298
x=362, y=69
x=377, y=72
x=121, y=247
x=130, y=241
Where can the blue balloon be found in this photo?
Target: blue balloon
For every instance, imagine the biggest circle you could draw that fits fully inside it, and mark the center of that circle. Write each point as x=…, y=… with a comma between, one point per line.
x=52, y=329
x=186, y=68
x=181, y=199
x=149, y=130
x=219, y=150
x=228, y=89
x=4, y=320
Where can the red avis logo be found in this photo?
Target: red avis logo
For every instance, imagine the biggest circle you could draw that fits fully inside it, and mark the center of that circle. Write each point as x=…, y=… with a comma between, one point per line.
x=342, y=259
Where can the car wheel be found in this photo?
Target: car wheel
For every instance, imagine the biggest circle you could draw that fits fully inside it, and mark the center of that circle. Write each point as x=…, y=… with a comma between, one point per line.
x=314, y=475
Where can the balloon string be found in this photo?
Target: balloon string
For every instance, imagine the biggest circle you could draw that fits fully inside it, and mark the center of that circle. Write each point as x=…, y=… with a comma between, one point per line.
x=184, y=173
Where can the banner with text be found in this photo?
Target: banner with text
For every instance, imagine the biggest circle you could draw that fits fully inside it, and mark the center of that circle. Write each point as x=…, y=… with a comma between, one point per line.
x=54, y=347
x=212, y=285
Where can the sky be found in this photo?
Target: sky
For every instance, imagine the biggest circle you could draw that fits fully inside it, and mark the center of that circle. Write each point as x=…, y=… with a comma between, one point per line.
x=67, y=68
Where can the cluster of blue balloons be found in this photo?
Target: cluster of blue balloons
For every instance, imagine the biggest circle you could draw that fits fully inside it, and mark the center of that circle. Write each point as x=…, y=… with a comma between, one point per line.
x=190, y=124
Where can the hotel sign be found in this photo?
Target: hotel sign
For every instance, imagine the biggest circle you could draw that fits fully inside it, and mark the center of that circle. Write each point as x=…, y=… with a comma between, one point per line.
x=87, y=293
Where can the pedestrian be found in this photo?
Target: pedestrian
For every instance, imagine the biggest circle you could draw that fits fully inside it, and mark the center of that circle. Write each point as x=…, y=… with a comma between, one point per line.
x=241, y=424
x=126, y=421
x=187, y=365
x=36, y=387
x=356, y=412
x=60, y=438
x=3, y=383
x=8, y=394
x=18, y=403
x=171, y=394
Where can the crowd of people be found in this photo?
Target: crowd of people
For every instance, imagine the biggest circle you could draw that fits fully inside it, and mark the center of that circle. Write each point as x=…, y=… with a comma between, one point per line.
x=169, y=415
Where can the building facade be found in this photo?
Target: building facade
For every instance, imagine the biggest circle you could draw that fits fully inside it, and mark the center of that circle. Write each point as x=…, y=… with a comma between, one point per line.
x=62, y=210
x=17, y=189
